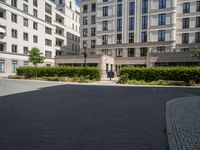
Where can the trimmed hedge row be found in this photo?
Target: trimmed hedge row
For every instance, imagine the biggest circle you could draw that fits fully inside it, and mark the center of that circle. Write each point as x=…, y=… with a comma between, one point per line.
x=59, y=71
x=162, y=73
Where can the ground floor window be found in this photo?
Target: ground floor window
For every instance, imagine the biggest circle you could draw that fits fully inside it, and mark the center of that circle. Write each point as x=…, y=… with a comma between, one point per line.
x=14, y=65
x=2, y=65
x=157, y=64
x=131, y=52
x=143, y=51
x=119, y=52
x=25, y=63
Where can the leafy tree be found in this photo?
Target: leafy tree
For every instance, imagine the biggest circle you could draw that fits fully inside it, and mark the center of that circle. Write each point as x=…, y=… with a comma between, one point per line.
x=35, y=56
x=197, y=53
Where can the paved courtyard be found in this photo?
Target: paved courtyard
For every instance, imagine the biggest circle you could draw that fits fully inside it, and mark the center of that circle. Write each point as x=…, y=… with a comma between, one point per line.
x=55, y=116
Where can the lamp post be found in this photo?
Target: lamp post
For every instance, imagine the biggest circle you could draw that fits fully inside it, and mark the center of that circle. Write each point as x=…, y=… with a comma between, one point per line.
x=85, y=56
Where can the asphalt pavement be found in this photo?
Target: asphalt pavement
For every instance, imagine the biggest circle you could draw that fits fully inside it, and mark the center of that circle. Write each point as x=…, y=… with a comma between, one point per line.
x=56, y=116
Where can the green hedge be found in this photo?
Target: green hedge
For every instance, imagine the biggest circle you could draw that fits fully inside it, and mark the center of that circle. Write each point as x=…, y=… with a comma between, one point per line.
x=59, y=71
x=162, y=73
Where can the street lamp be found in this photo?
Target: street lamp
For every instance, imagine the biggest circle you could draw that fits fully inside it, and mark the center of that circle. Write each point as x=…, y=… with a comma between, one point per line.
x=85, y=56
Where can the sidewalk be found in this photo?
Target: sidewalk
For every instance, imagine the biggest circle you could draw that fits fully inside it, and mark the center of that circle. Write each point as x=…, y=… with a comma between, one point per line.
x=183, y=123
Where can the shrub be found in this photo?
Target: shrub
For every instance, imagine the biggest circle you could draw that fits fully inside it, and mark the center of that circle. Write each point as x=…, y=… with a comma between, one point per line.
x=59, y=71
x=162, y=73
x=123, y=78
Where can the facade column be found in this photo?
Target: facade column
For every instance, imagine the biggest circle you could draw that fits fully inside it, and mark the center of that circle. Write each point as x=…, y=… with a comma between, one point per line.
x=137, y=52
x=125, y=52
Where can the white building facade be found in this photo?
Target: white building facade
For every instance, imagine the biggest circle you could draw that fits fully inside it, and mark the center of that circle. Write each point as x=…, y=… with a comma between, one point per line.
x=131, y=30
x=51, y=26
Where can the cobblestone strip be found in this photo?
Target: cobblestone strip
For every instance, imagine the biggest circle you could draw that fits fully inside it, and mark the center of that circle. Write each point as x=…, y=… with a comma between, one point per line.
x=183, y=123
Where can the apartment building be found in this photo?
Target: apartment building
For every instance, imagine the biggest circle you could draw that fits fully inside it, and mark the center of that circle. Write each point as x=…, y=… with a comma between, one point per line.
x=141, y=32
x=50, y=25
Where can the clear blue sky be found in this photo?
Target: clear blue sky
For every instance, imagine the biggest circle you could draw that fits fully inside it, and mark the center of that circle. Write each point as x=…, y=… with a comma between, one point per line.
x=77, y=1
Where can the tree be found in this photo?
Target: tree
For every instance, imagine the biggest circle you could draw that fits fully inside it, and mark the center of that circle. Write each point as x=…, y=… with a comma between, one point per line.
x=35, y=56
x=197, y=53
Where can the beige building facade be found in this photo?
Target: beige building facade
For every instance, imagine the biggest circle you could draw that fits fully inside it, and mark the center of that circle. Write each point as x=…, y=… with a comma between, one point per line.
x=141, y=32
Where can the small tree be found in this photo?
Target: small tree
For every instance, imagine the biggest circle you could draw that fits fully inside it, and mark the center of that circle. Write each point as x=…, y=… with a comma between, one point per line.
x=35, y=56
x=197, y=53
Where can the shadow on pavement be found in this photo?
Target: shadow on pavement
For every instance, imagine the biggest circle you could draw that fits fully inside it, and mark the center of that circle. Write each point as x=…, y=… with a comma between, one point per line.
x=78, y=117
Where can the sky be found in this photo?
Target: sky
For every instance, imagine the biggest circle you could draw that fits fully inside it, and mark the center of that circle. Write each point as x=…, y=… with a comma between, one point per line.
x=78, y=1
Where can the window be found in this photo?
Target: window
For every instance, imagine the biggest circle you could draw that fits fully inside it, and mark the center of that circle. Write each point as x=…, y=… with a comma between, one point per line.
x=161, y=49
x=25, y=63
x=48, y=30
x=106, y=52
x=197, y=37
x=119, y=24
x=197, y=22
x=85, y=32
x=14, y=18
x=131, y=37
x=35, y=25
x=131, y=23
x=35, y=39
x=85, y=20
x=144, y=37
x=14, y=65
x=119, y=38
x=119, y=10
x=48, y=8
x=25, y=8
x=2, y=14
x=131, y=52
x=48, y=54
x=186, y=23
x=144, y=22
x=105, y=0
x=35, y=3
x=161, y=35
x=85, y=8
x=70, y=5
x=132, y=8
x=25, y=35
x=143, y=52
x=14, y=48
x=2, y=47
x=104, y=39
x=186, y=7
x=25, y=50
x=25, y=22
x=93, y=43
x=105, y=11
x=14, y=3
x=162, y=4
x=185, y=49
x=93, y=7
x=48, y=42
x=93, y=19
x=2, y=65
x=35, y=13
x=48, y=19
x=198, y=6
x=84, y=44
x=162, y=19
x=185, y=38
x=14, y=33
x=119, y=52
x=105, y=25
x=93, y=31
x=144, y=6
